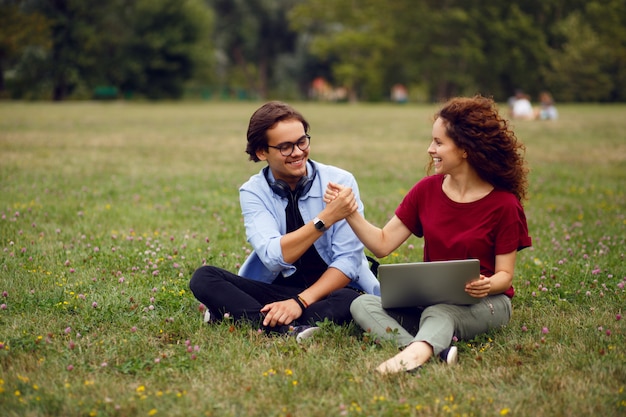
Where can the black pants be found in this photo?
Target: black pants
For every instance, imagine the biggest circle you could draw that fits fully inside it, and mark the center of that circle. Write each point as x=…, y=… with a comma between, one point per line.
x=224, y=292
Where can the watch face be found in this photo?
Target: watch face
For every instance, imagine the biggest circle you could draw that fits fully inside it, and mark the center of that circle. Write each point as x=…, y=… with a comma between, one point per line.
x=319, y=225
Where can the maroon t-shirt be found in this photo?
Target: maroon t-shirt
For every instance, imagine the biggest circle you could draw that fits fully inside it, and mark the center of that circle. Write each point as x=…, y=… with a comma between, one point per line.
x=493, y=225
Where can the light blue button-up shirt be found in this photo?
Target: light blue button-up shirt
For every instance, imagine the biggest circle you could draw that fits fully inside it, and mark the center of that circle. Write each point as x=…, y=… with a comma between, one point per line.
x=265, y=222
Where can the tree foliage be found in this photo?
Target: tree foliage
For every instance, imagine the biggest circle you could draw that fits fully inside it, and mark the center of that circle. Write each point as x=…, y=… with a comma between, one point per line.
x=146, y=47
x=462, y=47
x=168, y=44
x=275, y=48
x=20, y=31
x=252, y=36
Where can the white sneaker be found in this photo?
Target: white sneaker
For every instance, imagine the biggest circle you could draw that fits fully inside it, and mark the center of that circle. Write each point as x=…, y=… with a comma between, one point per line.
x=305, y=332
x=207, y=316
x=450, y=355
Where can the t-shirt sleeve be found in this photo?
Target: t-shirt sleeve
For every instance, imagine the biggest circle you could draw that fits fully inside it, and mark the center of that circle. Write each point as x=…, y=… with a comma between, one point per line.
x=513, y=236
x=408, y=211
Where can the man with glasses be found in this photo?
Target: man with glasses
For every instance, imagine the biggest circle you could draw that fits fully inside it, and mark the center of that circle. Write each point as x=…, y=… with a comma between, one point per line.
x=307, y=265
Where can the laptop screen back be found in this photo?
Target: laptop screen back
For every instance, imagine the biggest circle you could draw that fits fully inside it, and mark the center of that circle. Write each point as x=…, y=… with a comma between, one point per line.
x=427, y=283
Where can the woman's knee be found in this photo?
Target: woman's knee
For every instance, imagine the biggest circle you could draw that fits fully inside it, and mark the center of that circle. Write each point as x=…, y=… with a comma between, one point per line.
x=363, y=305
x=500, y=310
x=440, y=312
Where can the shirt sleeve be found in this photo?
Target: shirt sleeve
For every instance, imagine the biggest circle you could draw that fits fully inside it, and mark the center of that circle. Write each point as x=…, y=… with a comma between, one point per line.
x=409, y=209
x=264, y=227
x=513, y=236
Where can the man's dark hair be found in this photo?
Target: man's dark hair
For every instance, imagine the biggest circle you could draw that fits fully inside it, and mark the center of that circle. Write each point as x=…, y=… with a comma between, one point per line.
x=266, y=118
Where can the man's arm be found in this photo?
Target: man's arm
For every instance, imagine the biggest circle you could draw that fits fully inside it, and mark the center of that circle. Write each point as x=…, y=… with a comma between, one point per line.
x=286, y=311
x=294, y=244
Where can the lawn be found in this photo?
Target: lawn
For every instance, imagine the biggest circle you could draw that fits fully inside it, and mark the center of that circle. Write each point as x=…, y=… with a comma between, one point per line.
x=106, y=209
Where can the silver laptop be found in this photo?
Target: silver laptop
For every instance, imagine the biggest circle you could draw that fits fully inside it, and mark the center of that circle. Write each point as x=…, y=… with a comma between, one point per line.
x=427, y=283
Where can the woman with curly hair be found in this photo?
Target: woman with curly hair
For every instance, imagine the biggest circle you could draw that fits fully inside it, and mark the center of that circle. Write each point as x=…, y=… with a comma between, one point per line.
x=470, y=208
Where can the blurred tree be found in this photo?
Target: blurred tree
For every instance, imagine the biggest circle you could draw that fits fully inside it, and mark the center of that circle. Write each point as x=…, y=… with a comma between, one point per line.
x=450, y=50
x=457, y=47
x=571, y=58
x=579, y=70
x=451, y=47
x=74, y=37
x=169, y=44
x=148, y=47
x=251, y=36
x=19, y=30
x=513, y=48
x=608, y=19
x=574, y=48
x=354, y=37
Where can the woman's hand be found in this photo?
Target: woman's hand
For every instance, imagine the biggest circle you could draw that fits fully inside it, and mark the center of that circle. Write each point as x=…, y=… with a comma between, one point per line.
x=340, y=200
x=479, y=288
x=332, y=191
x=281, y=312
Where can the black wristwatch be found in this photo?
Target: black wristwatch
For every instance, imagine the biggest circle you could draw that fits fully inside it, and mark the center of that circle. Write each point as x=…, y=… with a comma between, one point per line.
x=319, y=224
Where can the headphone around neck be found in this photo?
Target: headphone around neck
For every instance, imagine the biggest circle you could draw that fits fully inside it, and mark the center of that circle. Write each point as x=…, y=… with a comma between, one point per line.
x=282, y=189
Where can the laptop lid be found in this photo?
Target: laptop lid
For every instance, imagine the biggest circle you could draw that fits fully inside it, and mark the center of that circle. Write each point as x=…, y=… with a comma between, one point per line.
x=427, y=283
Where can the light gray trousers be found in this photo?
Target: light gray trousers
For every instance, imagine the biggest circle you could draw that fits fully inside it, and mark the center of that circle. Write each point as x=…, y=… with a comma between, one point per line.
x=435, y=325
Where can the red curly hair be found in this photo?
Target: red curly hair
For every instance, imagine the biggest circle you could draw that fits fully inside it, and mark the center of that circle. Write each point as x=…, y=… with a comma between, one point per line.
x=493, y=150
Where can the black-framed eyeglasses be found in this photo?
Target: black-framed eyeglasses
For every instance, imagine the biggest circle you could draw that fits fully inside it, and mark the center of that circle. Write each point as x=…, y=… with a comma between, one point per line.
x=286, y=148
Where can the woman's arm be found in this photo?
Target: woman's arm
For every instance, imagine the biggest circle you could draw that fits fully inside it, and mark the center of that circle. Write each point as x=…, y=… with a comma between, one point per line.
x=499, y=282
x=381, y=242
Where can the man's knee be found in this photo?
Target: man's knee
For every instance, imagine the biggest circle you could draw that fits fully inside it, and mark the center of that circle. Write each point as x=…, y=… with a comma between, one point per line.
x=344, y=295
x=202, y=276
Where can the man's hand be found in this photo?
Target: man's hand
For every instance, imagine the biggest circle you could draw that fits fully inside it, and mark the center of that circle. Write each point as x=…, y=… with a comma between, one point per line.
x=281, y=313
x=340, y=200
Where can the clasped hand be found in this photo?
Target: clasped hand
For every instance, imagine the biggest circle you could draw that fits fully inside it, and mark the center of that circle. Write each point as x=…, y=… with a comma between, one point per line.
x=340, y=199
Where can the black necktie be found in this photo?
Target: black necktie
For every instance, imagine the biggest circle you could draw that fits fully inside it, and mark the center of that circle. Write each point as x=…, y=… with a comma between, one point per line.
x=292, y=214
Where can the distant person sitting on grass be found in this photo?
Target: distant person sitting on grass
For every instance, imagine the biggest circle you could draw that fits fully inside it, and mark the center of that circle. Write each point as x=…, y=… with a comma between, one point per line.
x=307, y=264
x=547, y=109
x=470, y=208
x=522, y=108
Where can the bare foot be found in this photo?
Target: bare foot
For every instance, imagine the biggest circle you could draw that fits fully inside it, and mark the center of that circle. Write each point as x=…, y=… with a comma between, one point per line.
x=411, y=358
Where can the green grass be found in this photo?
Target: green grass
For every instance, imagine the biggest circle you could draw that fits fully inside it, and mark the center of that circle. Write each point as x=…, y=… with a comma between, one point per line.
x=107, y=209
